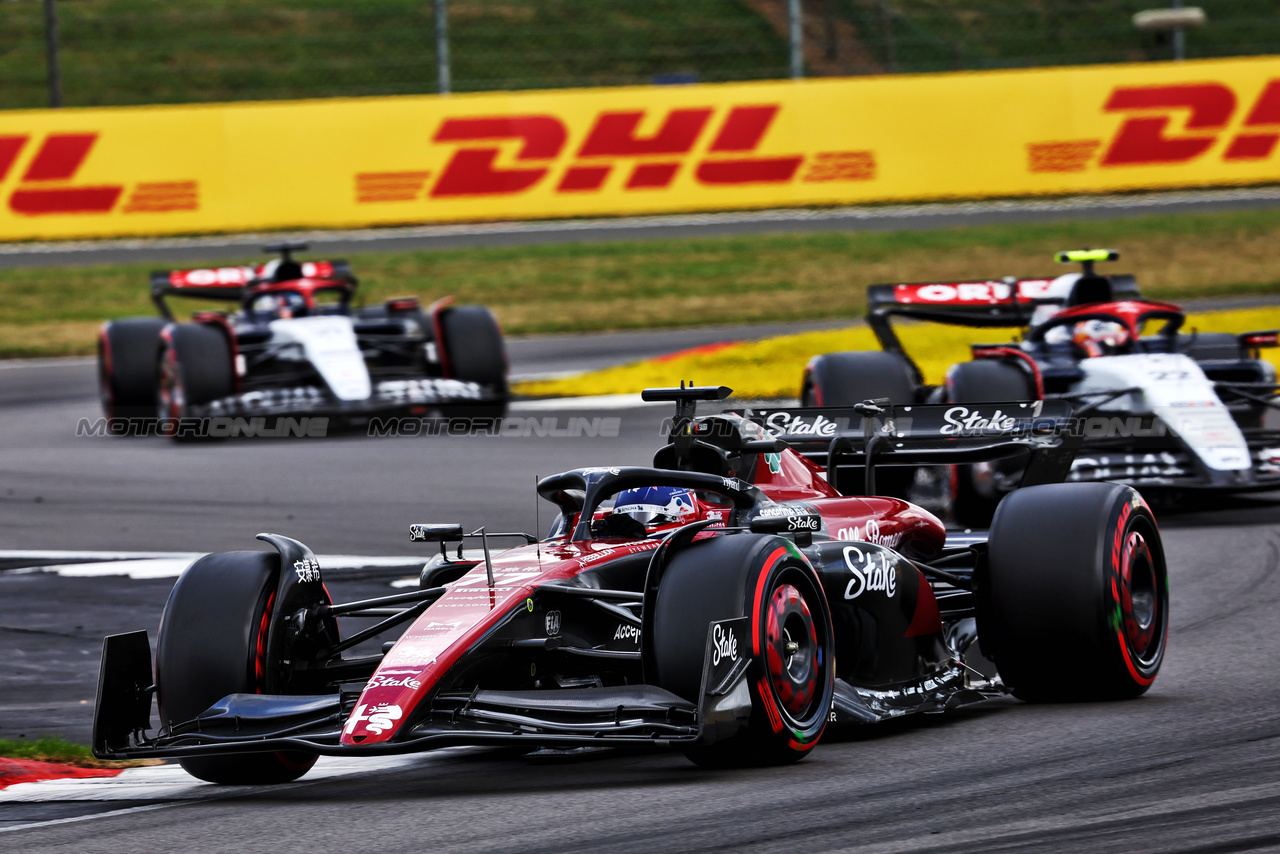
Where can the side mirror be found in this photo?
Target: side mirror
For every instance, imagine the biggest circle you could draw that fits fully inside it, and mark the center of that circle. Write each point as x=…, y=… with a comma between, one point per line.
x=764, y=446
x=787, y=519
x=434, y=533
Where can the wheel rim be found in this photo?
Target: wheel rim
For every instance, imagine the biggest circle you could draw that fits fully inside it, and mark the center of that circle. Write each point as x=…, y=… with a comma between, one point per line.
x=1139, y=596
x=793, y=653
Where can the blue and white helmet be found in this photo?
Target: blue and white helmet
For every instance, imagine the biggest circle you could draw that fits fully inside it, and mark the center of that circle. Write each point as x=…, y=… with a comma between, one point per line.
x=656, y=505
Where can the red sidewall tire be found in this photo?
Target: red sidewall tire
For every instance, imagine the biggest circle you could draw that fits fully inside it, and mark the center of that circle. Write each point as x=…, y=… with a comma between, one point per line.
x=1074, y=599
x=734, y=576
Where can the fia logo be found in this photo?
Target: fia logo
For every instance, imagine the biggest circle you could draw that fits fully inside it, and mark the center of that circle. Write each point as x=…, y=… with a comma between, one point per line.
x=553, y=623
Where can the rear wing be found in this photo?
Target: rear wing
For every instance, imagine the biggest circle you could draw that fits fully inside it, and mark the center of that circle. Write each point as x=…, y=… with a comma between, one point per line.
x=229, y=283
x=1004, y=303
x=1007, y=302
x=873, y=434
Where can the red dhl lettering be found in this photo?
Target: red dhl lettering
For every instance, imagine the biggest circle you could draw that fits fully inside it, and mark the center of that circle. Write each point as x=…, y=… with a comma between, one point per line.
x=614, y=139
x=46, y=186
x=1144, y=137
x=58, y=160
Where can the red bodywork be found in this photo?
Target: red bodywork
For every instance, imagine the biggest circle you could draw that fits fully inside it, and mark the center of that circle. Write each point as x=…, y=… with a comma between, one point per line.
x=471, y=608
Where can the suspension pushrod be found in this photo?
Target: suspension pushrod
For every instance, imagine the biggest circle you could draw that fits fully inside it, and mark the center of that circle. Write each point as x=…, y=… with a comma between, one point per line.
x=430, y=594
x=377, y=629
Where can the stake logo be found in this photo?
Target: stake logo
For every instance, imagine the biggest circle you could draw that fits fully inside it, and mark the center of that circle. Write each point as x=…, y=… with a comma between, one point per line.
x=538, y=152
x=1168, y=125
x=47, y=186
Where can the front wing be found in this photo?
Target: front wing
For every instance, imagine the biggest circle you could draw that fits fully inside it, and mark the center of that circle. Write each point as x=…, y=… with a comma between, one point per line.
x=387, y=396
x=1166, y=463
x=248, y=723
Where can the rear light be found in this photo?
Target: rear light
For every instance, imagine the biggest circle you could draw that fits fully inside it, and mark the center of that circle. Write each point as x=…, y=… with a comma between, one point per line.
x=1261, y=339
x=403, y=304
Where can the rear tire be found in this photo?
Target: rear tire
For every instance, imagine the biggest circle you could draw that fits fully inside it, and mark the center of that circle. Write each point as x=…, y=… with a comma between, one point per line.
x=760, y=577
x=984, y=381
x=127, y=374
x=845, y=379
x=1075, y=601
x=476, y=353
x=195, y=368
x=212, y=642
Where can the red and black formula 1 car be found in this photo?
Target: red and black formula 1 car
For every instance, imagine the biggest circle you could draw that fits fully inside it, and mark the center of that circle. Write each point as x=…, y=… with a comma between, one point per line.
x=1158, y=408
x=727, y=602
x=297, y=346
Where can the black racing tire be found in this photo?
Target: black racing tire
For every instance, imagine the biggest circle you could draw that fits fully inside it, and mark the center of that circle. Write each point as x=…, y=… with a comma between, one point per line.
x=759, y=577
x=195, y=367
x=845, y=379
x=984, y=381
x=1074, y=600
x=475, y=352
x=127, y=372
x=212, y=642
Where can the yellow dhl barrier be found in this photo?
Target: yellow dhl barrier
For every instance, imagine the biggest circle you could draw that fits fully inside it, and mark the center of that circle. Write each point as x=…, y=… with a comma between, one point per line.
x=374, y=161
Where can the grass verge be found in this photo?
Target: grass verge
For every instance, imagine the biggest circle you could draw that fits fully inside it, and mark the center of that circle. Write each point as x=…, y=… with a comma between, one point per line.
x=53, y=749
x=772, y=368
x=576, y=287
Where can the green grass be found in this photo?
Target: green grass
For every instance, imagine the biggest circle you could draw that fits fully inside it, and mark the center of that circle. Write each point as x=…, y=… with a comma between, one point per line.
x=47, y=749
x=117, y=52
x=154, y=51
x=673, y=283
x=945, y=35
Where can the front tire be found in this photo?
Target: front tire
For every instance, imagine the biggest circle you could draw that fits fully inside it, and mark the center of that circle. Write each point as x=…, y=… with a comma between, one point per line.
x=475, y=352
x=212, y=642
x=1075, y=600
x=127, y=373
x=195, y=368
x=791, y=673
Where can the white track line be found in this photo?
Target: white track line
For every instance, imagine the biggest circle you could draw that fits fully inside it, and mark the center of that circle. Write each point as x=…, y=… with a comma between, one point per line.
x=146, y=565
x=173, y=786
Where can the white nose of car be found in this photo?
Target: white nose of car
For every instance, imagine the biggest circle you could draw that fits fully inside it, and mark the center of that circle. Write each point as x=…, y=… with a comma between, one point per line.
x=329, y=343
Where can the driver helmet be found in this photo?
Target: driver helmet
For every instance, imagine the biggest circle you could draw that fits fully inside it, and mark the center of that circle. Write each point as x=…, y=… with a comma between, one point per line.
x=283, y=305
x=657, y=505
x=1100, y=337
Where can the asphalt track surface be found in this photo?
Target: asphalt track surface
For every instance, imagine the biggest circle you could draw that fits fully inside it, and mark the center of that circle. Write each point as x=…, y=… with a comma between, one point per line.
x=862, y=218
x=1192, y=766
